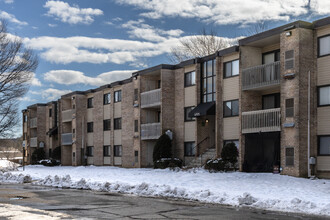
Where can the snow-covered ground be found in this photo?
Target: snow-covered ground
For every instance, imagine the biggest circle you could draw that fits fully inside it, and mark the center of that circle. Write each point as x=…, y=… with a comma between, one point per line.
x=259, y=190
x=6, y=165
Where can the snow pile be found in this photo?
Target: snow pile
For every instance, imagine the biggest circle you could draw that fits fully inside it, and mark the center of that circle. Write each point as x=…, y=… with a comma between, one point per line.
x=262, y=190
x=6, y=165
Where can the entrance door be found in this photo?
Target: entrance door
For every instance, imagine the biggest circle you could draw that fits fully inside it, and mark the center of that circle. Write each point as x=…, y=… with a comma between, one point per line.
x=262, y=152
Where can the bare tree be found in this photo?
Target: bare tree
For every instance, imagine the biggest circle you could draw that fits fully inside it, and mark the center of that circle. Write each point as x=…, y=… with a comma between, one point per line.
x=257, y=28
x=199, y=45
x=17, y=65
x=10, y=148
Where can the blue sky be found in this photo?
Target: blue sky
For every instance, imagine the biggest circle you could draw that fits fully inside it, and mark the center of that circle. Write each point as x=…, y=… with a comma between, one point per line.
x=87, y=43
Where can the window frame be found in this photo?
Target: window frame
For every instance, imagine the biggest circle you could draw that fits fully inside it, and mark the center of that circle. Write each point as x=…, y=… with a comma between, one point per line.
x=107, y=101
x=90, y=127
x=277, y=99
x=108, y=123
x=115, y=153
x=90, y=151
x=224, y=106
x=318, y=46
x=90, y=103
x=204, y=70
x=114, y=124
x=107, y=153
x=136, y=125
x=318, y=145
x=190, y=83
x=318, y=96
x=288, y=108
x=185, y=114
x=115, y=97
x=224, y=69
x=136, y=94
x=285, y=153
x=193, y=154
x=277, y=51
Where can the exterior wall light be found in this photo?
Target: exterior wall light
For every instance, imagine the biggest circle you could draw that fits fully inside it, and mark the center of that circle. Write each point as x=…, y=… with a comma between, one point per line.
x=288, y=33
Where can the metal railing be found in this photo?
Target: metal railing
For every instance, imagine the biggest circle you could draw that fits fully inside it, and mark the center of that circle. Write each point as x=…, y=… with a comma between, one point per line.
x=66, y=139
x=34, y=142
x=67, y=115
x=33, y=122
x=261, y=76
x=151, y=98
x=261, y=121
x=150, y=131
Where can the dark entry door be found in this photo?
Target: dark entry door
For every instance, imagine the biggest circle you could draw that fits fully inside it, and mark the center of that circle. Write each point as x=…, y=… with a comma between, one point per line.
x=262, y=152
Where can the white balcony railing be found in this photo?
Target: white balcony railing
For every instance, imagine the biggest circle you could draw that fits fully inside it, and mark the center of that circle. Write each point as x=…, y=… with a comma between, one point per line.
x=33, y=122
x=150, y=131
x=34, y=142
x=67, y=115
x=66, y=139
x=151, y=98
x=261, y=121
x=261, y=76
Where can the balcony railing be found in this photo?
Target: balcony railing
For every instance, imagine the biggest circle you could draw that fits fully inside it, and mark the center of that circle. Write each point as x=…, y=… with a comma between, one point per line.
x=261, y=121
x=34, y=142
x=67, y=139
x=67, y=115
x=33, y=122
x=261, y=76
x=151, y=98
x=150, y=131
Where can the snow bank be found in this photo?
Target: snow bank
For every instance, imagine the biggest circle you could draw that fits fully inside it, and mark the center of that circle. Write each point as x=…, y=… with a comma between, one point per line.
x=6, y=165
x=262, y=190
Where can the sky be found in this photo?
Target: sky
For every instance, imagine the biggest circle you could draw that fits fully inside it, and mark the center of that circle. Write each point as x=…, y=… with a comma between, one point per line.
x=83, y=44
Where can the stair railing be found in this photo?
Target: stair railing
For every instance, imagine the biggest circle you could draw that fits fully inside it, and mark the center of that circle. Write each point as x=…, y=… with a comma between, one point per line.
x=196, y=147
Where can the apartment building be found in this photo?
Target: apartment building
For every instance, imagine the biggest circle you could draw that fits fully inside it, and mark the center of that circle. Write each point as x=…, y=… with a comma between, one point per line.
x=269, y=95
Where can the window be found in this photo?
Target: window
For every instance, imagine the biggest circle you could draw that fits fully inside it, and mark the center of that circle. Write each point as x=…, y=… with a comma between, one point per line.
x=107, y=125
x=50, y=112
x=189, y=79
x=231, y=68
x=271, y=57
x=90, y=151
x=289, y=156
x=324, y=45
x=90, y=103
x=136, y=126
x=73, y=132
x=106, y=151
x=271, y=101
x=106, y=99
x=230, y=108
x=208, y=81
x=324, y=145
x=118, y=96
x=289, y=108
x=117, y=123
x=189, y=149
x=25, y=118
x=187, y=110
x=136, y=94
x=324, y=96
x=117, y=152
x=236, y=142
x=89, y=127
x=136, y=155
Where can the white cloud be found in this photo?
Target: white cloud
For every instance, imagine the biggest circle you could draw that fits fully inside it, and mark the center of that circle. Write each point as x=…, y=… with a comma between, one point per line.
x=222, y=11
x=71, y=14
x=52, y=25
x=321, y=7
x=138, y=29
x=27, y=99
x=71, y=77
x=9, y=1
x=53, y=94
x=11, y=18
x=35, y=81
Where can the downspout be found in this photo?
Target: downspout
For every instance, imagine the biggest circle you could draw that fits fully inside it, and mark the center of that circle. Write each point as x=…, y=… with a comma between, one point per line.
x=308, y=126
x=82, y=152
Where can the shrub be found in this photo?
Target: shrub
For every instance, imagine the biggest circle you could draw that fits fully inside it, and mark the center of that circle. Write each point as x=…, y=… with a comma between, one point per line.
x=216, y=165
x=229, y=153
x=37, y=155
x=162, y=148
x=168, y=162
x=56, y=154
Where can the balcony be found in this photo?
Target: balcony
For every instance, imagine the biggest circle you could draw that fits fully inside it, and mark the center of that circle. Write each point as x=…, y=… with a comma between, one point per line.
x=67, y=139
x=34, y=142
x=33, y=122
x=67, y=115
x=260, y=77
x=150, y=131
x=261, y=121
x=151, y=98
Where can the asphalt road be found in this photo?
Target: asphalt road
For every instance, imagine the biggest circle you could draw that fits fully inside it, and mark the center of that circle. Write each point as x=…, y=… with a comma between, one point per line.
x=37, y=202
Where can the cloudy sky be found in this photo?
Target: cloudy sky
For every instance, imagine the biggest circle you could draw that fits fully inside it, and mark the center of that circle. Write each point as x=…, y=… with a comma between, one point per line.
x=84, y=44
